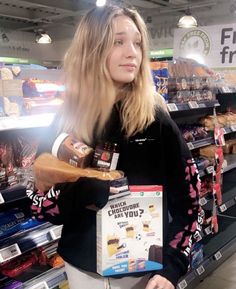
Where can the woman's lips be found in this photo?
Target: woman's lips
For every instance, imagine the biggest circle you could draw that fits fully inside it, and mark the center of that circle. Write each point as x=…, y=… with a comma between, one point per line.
x=129, y=66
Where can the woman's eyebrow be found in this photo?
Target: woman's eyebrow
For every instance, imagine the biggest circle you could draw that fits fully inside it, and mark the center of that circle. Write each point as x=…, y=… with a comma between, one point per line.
x=124, y=33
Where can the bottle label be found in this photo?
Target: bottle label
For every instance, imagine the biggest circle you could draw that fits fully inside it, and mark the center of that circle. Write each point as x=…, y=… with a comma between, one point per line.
x=114, y=161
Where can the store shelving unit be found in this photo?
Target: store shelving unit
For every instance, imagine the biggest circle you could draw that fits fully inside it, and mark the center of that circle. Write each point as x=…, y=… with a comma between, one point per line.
x=48, y=280
x=216, y=247
x=29, y=127
x=27, y=121
x=12, y=194
x=178, y=107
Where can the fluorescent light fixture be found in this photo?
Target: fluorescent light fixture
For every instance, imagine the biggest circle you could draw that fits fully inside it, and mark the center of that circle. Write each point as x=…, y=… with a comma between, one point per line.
x=187, y=21
x=101, y=3
x=43, y=38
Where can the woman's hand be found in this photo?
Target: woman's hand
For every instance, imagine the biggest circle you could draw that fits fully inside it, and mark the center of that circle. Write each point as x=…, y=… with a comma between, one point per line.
x=159, y=282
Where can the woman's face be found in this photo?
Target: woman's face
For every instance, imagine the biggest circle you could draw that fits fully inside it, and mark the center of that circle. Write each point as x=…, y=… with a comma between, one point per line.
x=125, y=56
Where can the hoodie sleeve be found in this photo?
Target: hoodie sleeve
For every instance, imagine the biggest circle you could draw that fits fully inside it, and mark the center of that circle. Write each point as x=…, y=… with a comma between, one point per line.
x=182, y=186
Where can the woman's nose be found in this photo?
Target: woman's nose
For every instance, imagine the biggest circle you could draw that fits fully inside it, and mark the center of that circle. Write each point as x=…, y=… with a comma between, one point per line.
x=131, y=50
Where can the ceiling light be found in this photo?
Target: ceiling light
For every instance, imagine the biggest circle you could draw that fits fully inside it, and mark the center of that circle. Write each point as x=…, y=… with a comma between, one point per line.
x=100, y=3
x=187, y=21
x=42, y=37
x=5, y=37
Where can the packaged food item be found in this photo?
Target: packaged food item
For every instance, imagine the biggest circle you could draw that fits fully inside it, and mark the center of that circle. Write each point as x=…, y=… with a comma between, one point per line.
x=208, y=151
x=72, y=151
x=106, y=156
x=228, y=147
x=130, y=232
x=56, y=261
x=49, y=170
x=197, y=255
x=119, y=188
x=9, y=283
x=19, y=265
x=9, y=222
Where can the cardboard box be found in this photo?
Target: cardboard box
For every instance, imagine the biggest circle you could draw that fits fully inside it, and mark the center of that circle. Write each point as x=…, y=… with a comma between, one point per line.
x=130, y=232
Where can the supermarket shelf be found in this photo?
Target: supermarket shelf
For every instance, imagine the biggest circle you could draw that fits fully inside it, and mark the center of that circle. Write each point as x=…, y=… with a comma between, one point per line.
x=209, y=140
x=174, y=107
x=228, y=200
x=231, y=162
x=12, y=194
x=25, y=241
x=200, y=143
x=229, y=129
x=215, y=254
x=48, y=280
x=228, y=189
x=206, y=171
x=27, y=121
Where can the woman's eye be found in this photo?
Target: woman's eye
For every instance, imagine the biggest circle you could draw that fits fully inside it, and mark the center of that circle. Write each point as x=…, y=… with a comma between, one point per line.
x=118, y=42
x=138, y=43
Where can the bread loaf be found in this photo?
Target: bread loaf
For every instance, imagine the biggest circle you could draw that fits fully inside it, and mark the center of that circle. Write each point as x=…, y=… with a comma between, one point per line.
x=208, y=151
x=48, y=171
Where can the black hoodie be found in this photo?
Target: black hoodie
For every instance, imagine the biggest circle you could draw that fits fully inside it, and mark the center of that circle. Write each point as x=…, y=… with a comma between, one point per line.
x=159, y=156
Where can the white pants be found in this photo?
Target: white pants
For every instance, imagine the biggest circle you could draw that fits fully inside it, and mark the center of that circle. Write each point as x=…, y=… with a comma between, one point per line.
x=79, y=279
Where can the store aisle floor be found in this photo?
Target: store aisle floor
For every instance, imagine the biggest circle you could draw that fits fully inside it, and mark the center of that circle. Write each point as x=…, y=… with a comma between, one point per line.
x=222, y=278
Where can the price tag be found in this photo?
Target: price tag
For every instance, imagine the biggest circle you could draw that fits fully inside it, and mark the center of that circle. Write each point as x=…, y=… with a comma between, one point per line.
x=172, y=107
x=208, y=230
x=225, y=89
x=203, y=201
x=218, y=255
x=183, y=284
x=190, y=145
x=223, y=130
x=56, y=232
x=10, y=252
x=193, y=104
x=1, y=199
x=200, y=270
x=41, y=285
x=223, y=208
x=233, y=127
x=210, y=169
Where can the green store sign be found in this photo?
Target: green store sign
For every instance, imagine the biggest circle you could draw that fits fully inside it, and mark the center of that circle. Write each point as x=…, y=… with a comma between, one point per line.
x=162, y=53
x=13, y=60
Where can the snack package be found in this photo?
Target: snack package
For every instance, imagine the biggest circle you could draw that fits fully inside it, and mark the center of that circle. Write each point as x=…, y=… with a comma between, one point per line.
x=130, y=232
x=72, y=151
x=106, y=157
x=19, y=265
x=49, y=170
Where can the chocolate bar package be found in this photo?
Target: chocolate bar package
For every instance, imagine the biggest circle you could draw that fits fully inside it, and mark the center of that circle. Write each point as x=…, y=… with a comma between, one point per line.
x=130, y=232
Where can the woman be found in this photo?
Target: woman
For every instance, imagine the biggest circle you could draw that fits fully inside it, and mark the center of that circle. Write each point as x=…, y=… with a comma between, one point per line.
x=110, y=97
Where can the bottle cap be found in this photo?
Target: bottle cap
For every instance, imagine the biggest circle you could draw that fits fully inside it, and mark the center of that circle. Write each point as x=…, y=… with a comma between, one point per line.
x=58, y=142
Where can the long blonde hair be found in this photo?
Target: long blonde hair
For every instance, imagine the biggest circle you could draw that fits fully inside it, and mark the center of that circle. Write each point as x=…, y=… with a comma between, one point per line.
x=90, y=92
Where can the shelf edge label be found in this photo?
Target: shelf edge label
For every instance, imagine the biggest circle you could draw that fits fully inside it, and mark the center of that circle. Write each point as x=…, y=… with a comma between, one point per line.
x=183, y=284
x=56, y=232
x=9, y=252
x=193, y=104
x=172, y=107
x=41, y=285
x=200, y=270
x=1, y=199
x=217, y=255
